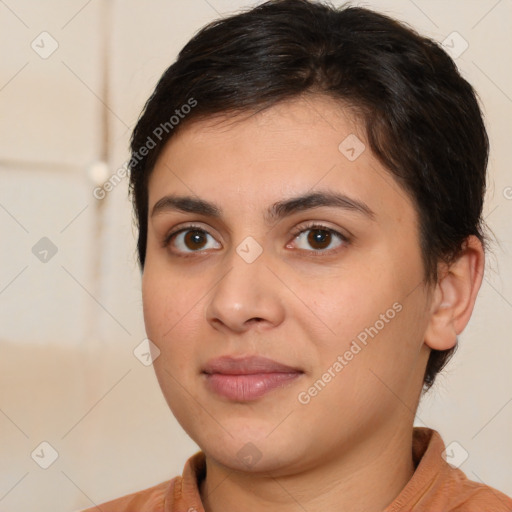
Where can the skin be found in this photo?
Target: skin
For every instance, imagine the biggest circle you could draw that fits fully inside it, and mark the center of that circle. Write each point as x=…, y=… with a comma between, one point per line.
x=296, y=307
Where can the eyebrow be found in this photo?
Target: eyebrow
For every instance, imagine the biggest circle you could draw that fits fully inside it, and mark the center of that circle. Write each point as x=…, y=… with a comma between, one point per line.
x=276, y=211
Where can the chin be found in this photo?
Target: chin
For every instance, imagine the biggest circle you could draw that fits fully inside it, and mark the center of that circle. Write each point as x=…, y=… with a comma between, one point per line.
x=251, y=453
x=249, y=458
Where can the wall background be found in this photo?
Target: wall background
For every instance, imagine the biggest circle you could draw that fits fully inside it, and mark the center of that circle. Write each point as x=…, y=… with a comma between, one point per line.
x=70, y=306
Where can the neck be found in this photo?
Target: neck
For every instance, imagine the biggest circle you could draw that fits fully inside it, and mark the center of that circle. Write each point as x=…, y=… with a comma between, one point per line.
x=365, y=478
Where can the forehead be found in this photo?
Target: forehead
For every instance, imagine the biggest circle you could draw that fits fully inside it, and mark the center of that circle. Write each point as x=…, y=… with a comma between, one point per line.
x=255, y=159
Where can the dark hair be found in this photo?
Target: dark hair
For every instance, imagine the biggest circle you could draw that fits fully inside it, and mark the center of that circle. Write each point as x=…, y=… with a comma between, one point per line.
x=422, y=119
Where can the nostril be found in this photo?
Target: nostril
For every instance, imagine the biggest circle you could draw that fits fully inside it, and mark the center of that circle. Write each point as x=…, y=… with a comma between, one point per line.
x=257, y=320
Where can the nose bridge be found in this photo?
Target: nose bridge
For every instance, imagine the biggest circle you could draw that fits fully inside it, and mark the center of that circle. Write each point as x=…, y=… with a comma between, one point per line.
x=245, y=290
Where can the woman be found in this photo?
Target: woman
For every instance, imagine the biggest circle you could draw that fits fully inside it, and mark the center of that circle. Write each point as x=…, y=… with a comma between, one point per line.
x=308, y=184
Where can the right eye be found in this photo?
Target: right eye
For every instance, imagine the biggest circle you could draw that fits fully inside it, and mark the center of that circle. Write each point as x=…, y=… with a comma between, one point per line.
x=188, y=240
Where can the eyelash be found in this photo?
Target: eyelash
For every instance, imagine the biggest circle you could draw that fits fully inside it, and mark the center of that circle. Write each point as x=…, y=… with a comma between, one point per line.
x=295, y=233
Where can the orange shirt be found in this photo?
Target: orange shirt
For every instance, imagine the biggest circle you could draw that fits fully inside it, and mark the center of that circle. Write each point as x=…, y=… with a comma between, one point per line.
x=434, y=487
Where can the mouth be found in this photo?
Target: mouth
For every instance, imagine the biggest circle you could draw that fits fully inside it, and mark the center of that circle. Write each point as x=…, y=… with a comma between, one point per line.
x=247, y=378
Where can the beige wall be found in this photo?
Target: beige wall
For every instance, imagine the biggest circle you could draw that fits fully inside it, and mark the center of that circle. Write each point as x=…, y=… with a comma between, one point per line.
x=68, y=326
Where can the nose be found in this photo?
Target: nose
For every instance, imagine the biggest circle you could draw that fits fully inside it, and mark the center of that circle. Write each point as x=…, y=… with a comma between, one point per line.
x=247, y=295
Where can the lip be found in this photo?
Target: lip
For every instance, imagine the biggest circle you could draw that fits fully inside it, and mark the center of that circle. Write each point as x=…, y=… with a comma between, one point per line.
x=246, y=365
x=247, y=378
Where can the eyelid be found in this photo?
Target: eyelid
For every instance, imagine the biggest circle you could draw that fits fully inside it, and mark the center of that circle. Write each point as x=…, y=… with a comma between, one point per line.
x=320, y=225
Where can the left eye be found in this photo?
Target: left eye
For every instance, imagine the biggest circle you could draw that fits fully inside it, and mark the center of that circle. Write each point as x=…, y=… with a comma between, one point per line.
x=319, y=238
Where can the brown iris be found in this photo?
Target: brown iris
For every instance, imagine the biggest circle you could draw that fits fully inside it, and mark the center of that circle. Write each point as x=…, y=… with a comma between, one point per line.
x=194, y=238
x=319, y=236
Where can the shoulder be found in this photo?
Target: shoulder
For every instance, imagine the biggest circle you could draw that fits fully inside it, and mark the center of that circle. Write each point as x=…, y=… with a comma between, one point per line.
x=437, y=486
x=464, y=494
x=151, y=499
x=470, y=496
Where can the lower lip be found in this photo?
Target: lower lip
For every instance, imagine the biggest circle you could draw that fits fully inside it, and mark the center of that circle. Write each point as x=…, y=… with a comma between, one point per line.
x=244, y=388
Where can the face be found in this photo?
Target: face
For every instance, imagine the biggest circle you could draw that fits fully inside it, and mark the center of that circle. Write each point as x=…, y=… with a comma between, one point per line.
x=329, y=285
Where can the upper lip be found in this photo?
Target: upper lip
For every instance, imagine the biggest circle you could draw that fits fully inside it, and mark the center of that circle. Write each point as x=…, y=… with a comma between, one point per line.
x=246, y=365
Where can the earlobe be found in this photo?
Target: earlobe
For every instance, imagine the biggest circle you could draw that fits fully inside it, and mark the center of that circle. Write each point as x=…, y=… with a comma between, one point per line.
x=454, y=296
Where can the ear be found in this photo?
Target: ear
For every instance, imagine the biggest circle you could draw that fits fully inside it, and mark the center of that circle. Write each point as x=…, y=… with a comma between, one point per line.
x=454, y=296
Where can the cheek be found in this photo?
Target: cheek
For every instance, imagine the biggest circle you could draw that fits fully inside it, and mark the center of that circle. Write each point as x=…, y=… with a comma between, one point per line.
x=172, y=310
x=166, y=300
x=366, y=320
x=349, y=304
x=154, y=305
x=166, y=314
